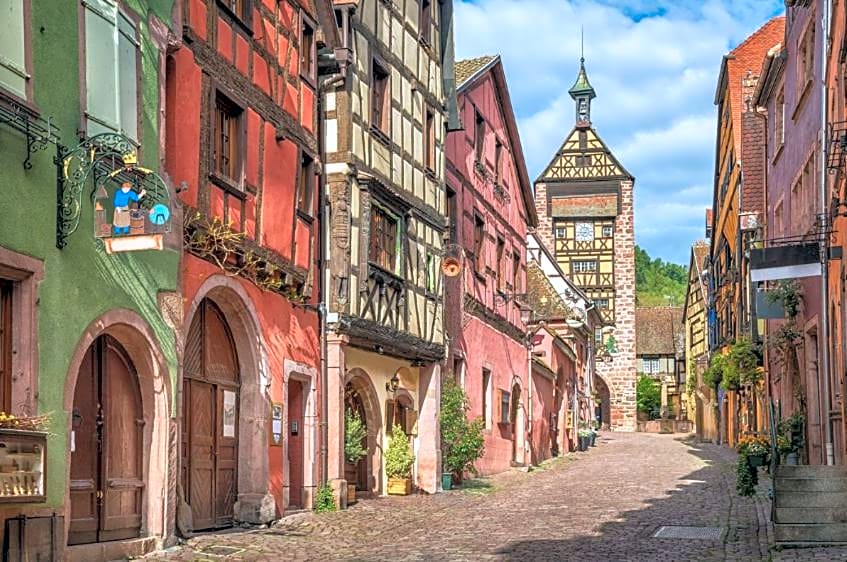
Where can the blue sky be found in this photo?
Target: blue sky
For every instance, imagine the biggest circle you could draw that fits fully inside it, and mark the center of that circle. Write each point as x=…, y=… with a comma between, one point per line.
x=654, y=64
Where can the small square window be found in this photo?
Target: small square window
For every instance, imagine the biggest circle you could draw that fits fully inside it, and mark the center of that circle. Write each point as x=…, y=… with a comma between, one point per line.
x=561, y=232
x=608, y=231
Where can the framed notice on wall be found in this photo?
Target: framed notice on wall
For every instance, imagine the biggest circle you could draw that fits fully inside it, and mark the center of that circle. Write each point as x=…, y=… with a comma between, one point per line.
x=229, y=413
x=276, y=425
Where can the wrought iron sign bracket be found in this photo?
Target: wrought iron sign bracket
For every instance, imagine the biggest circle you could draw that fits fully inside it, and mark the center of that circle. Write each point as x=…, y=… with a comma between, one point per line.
x=38, y=132
x=104, y=157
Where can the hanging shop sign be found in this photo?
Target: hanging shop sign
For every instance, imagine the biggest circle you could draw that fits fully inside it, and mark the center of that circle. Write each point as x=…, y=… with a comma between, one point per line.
x=132, y=204
x=785, y=262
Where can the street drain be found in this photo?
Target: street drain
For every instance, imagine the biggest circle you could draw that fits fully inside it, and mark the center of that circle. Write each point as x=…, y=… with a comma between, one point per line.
x=694, y=533
x=221, y=550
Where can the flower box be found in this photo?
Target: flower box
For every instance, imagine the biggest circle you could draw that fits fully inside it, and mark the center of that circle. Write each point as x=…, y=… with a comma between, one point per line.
x=399, y=486
x=22, y=465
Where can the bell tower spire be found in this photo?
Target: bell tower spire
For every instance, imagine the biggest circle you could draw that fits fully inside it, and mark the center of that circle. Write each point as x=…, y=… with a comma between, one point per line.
x=582, y=92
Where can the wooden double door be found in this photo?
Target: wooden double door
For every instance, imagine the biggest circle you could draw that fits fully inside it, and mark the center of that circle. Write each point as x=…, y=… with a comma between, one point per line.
x=210, y=420
x=107, y=423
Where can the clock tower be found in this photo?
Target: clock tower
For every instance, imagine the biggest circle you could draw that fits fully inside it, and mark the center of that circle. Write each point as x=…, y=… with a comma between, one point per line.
x=584, y=200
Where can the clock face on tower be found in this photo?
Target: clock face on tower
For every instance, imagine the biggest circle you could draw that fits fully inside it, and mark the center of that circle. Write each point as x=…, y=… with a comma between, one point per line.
x=584, y=232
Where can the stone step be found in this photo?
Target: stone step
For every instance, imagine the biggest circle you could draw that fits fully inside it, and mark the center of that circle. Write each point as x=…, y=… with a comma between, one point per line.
x=810, y=515
x=810, y=499
x=783, y=484
x=810, y=533
x=809, y=471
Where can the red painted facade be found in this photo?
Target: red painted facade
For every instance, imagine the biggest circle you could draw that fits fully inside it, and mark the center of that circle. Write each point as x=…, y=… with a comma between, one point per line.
x=261, y=66
x=792, y=96
x=488, y=192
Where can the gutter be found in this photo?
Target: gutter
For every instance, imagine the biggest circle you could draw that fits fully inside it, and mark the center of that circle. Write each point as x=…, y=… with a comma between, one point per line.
x=824, y=218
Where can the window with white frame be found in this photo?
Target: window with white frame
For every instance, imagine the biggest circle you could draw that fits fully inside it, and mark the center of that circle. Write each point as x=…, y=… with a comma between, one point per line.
x=584, y=266
x=111, y=70
x=650, y=365
x=14, y=73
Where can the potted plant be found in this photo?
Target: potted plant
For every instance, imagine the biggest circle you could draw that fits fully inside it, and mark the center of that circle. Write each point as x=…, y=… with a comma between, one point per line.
x=462, y=442
x=355, y=433
x=583, y=436
x=756, y=449
x=792, y=429
x=399, y=460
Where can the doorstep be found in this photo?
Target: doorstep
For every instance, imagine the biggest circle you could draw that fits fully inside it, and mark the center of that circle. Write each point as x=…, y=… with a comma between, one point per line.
x=112, y=550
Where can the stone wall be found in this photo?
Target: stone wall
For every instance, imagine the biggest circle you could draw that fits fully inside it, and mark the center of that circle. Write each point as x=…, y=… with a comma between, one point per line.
x=620, y=373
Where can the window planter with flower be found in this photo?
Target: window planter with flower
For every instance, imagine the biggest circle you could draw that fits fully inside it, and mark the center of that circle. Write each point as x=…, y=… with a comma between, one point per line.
x=23, y=443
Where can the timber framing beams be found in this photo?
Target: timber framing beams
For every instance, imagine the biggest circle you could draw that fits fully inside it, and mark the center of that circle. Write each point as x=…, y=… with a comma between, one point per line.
x=372, y=336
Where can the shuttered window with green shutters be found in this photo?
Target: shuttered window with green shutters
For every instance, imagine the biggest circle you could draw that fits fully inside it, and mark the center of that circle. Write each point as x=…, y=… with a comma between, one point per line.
x=111, y=70
x=14, y=75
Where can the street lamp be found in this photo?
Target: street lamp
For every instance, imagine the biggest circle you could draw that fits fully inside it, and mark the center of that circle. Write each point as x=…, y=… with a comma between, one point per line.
x=392, y=385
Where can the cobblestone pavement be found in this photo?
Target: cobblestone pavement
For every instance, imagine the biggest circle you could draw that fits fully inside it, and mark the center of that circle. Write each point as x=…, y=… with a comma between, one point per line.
x=602, y=505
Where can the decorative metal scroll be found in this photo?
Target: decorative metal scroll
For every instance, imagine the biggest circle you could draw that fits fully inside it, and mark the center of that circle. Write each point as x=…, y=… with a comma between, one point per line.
x=39, y=132
x=131, y=203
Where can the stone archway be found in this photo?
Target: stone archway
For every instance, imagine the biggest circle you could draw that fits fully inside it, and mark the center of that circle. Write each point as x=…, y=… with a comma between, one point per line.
x=137, y=340
x=517, y=417
x=254, y=502
x=605, y=405
x=360, y=393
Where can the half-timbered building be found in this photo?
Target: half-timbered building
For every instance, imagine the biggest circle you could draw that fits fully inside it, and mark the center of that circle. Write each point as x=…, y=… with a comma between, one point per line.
x=385, y=129
x=738, y=218
x=584, y=199
x=241, y=132
x=489, y=200
x=701, y=401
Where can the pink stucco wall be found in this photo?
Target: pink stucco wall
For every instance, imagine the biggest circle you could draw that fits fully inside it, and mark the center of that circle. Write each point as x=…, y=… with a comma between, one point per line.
x=489, y=335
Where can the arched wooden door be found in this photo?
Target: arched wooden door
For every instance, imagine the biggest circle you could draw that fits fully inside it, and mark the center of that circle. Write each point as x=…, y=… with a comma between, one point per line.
x=357, y=473
x=210, y=419
x=107, y=423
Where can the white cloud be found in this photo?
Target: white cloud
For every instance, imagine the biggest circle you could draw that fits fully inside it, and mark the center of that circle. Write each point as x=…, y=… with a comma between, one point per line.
x=654, y=64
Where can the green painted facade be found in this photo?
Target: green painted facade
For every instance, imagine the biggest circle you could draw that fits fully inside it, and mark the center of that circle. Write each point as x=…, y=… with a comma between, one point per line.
x=81, y=282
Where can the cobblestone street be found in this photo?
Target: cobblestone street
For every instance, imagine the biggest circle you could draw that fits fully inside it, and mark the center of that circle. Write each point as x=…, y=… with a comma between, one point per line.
x=602, y=505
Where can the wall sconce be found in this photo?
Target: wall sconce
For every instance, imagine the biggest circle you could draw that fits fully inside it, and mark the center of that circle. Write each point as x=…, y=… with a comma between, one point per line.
x=393, y=384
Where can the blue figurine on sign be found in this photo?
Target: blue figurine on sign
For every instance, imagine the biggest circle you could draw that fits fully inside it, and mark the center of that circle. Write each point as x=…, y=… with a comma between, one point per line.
x=123, y=197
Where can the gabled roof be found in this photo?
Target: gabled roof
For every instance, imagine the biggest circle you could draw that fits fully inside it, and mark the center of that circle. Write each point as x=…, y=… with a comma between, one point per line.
x=467, y=73
x=468, y=68
x=656, y=328
x=697, y=263
x=746, y=57
x=572, y=295
x=569, y=163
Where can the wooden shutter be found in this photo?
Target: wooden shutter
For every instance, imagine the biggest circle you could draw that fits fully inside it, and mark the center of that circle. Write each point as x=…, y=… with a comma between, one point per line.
x=13, y=74
x=389, y=416
x=101, y=72
x=127, y=76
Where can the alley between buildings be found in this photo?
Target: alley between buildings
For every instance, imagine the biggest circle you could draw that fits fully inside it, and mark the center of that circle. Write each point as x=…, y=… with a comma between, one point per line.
x=606, y=504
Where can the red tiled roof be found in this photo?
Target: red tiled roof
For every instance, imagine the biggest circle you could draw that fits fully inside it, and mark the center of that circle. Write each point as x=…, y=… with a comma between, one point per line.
x=655, y=329
x=748, y=57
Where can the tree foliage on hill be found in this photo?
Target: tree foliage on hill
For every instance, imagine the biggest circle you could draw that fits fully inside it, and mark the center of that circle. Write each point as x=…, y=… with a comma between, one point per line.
x=656, y=279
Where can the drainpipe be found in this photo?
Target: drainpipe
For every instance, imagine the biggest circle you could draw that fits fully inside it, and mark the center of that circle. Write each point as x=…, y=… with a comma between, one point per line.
x=830, y=458
x=528, y=438
x=324, y=273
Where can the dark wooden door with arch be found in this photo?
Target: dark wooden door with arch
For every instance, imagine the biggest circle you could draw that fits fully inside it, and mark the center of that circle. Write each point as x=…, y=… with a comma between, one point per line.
x=210, y=419
x=107, y=423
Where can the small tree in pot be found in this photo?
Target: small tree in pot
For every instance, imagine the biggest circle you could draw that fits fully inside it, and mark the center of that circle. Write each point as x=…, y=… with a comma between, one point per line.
x=399, y=460
x=462, y=442
x=354, y=433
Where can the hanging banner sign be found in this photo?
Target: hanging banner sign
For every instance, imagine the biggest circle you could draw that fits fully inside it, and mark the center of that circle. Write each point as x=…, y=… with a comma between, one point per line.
x=785, y=262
